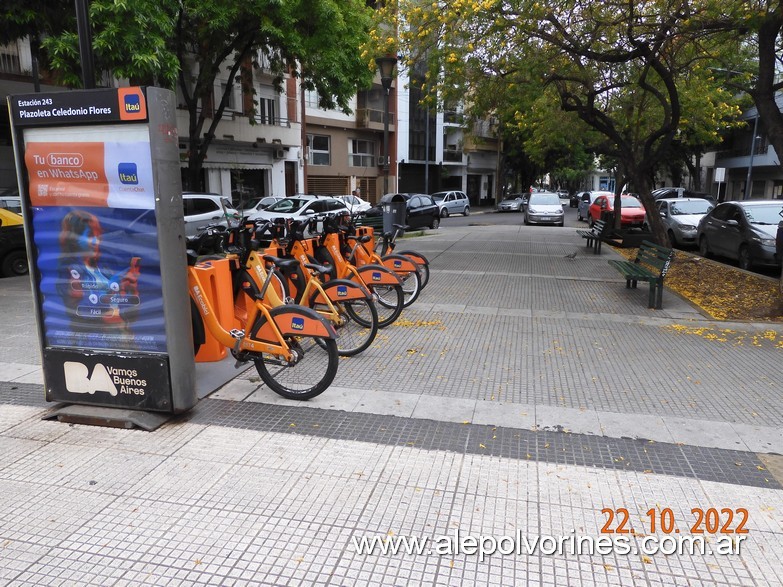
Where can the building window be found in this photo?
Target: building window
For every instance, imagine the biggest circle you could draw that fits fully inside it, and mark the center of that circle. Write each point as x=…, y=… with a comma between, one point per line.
x=267, y=111
x=320, y=152
x=361, y=153
x=311, y=98
x=231, y=103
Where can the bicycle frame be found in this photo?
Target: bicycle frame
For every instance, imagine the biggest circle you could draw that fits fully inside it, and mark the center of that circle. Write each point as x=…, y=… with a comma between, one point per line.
x=268, y=327
x=369, y=275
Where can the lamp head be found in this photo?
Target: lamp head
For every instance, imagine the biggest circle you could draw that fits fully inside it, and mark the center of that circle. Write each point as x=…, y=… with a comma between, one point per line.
x=386, y=67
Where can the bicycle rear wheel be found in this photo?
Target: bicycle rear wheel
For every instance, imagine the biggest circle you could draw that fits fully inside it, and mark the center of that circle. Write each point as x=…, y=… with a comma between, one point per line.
x=390, y=301
x=312, y=371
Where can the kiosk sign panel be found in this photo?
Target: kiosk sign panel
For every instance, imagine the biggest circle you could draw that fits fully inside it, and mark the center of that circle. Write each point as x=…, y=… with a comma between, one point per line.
x=92, y=219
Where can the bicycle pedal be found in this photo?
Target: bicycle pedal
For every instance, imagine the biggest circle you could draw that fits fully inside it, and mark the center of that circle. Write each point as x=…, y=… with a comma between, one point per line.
x=237, y=333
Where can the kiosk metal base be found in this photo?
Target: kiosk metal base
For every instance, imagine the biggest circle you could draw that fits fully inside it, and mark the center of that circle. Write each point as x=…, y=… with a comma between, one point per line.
x=110, y=417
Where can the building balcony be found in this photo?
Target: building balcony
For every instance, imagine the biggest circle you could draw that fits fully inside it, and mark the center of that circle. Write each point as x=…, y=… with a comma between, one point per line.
x=373, y=119
x=238, y=127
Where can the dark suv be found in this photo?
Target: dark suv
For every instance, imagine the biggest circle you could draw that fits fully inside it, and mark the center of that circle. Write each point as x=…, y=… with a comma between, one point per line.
x=13, y=255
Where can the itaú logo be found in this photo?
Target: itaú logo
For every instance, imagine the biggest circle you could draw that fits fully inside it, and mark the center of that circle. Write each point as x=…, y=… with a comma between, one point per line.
x=128, y=173
x=132, y=103
x=297, y=323
x=65, y=159
x=79, y=380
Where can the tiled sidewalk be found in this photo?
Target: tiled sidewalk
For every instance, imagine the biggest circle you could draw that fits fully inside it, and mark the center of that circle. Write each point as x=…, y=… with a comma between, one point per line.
x=523, y=392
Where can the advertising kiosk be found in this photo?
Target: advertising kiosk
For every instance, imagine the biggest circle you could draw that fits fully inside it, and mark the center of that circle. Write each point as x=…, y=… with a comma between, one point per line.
x=99, y=175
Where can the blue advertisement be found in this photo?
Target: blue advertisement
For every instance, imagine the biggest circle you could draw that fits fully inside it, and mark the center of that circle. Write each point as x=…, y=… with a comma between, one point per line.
x=100, y=278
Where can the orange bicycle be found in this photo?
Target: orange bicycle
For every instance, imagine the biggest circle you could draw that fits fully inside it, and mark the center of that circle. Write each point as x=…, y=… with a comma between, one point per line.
x=293, y=347
x=345, y=304
x=386, y=244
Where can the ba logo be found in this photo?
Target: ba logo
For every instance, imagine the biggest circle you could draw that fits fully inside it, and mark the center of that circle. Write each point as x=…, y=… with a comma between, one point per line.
x=132, y=104
x=297, y=323
x=397, y=263
x=376, y=276
x=342, y=291
x=128, y=173
x=78, y=379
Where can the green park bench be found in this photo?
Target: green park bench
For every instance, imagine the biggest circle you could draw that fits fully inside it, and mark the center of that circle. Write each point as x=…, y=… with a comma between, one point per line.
x=595, y=235
x=651, y=265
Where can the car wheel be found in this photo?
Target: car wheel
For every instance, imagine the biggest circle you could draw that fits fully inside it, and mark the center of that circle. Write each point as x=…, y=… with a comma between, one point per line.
x=579, y=216
x=15, y=264
x=444, y=213
x=435, y=223
x=704, y=247
x=562, y=224
x=744, y=258
x=466, y=211
x=672, y=238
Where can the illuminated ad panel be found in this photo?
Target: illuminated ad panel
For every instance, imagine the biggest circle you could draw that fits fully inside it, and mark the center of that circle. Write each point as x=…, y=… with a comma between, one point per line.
x=92, y=200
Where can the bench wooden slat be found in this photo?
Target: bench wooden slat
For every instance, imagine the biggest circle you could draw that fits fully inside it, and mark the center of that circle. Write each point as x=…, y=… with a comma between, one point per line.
x=651, y=264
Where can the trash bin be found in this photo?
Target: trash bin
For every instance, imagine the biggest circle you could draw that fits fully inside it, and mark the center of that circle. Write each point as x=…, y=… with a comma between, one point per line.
x=394, y=213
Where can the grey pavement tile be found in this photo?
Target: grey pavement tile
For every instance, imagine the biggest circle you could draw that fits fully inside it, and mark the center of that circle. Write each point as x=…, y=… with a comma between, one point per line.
x=567, y=420
x=13, y=371
x=13, y=415
x=507, y=414
x=760, y=438
x=235, y=390
x=702, y=432
x=388, y=403
x=645, y=426
x=445, y=409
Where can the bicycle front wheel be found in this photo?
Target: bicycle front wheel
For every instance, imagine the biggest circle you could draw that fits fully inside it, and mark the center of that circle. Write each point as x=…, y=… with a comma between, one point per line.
x=359, y=327
x=411, y=286
x=390, y=303
x=308, y=375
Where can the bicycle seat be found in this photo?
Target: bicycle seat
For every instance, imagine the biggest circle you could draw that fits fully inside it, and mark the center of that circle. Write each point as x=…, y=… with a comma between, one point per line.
x=322, y=269
x=282, y=263
x=365, y=238
x=192, y=257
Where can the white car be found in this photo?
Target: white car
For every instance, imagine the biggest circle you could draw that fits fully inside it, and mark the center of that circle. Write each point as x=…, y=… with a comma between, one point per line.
x=203, y=209
x=301, y=208
x=355, y=203
x=544, y=208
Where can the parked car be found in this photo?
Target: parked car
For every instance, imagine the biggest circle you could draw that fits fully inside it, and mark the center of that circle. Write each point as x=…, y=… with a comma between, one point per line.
x=544, y=208
x=203, y=209
x=355, y=203
x=421, y=211
x=10, y=200
x=513, y=203
x=585, y=201
x=632, y=212
x=13, y=255
x=564, y=197
x=681, y=216
x=744, y=231
x=302, y=207
x=573, y=200
x=452, y=202
x=670, y=192
x=258, y=204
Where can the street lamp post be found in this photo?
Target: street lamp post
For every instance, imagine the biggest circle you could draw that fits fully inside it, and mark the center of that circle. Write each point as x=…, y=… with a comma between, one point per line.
x=754, y=138
x=386, y=67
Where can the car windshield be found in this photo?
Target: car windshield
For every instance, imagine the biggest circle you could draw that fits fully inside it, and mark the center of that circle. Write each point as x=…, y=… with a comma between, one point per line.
x=509, y=199
x=288, y=205
x=438, y=196
x=630, y=202
x=768, y=214
x=690, y=207
x=544, y=200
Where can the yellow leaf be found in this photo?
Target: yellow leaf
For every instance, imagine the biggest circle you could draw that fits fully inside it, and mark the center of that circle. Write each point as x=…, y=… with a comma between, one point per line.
x=646, y=559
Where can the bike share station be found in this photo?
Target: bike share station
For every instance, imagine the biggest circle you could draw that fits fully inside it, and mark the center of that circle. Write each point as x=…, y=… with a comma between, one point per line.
x=99, y=175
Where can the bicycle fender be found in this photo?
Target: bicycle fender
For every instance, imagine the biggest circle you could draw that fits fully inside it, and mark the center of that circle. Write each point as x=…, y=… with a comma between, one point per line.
x=341, y=290
x=415, y=257
x=378, y=275
x=399, y=263
x=294, y=321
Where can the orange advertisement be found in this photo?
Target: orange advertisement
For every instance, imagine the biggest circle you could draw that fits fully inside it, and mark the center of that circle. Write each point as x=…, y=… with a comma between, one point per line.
x=67, y=174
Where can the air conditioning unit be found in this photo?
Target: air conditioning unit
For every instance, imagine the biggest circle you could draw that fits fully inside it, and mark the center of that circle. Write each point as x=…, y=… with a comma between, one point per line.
x=383, y=160
x=279, y=153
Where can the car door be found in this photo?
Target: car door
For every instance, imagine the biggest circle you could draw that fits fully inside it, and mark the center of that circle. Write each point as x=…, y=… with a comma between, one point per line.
x=714, y=226
x=663, y=211
x=733, y=229
x=200, y=212
x=416, y=218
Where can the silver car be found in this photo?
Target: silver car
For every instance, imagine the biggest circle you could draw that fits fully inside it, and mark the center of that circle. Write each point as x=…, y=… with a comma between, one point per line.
x=681, y=218
x=513, y=203
x=452, y=202
x=544, y=208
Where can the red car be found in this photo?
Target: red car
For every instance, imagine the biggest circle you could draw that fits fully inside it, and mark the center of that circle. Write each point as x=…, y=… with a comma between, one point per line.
x=631, y=213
